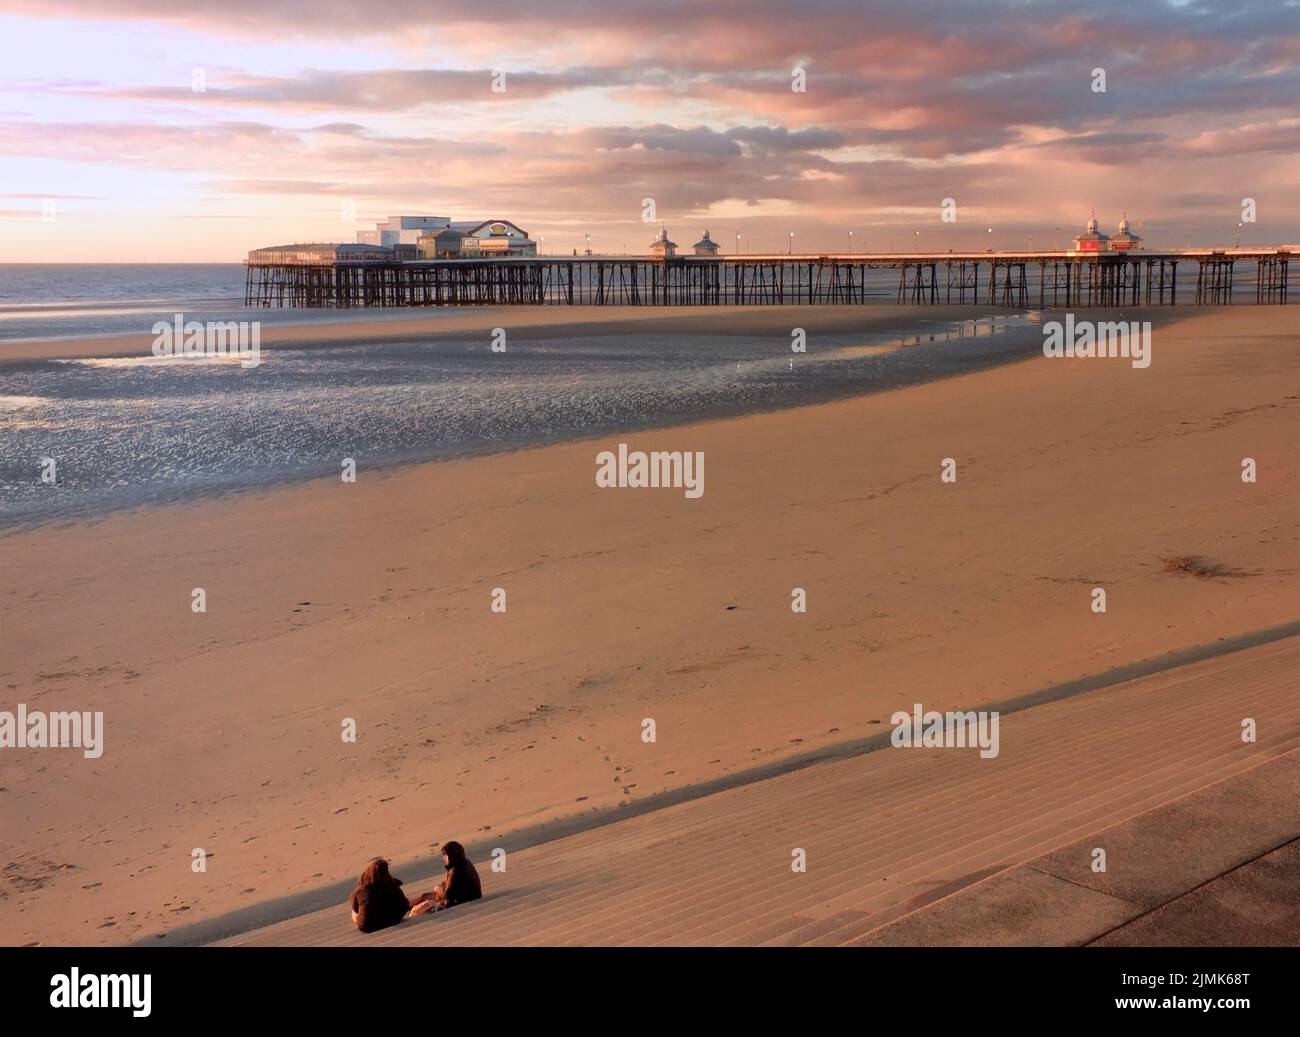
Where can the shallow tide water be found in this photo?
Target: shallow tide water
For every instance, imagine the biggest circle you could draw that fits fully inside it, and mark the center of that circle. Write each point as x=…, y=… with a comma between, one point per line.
x=127, y=431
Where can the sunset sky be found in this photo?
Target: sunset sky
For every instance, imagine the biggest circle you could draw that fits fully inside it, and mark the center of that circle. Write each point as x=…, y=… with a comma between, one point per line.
x=314, y=108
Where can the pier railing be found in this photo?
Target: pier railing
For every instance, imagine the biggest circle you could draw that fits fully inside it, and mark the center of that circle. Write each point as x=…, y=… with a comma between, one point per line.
x=1043, y=279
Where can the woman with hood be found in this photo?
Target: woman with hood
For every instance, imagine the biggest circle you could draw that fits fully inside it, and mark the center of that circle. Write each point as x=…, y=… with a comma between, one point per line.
x=460, y=885
x=378, y=900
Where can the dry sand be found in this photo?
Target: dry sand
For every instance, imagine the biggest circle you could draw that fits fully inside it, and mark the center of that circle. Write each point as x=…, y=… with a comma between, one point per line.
x=370, y=601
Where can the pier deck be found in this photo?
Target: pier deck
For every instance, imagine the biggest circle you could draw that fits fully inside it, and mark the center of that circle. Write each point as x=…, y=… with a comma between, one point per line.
x=1019, y=279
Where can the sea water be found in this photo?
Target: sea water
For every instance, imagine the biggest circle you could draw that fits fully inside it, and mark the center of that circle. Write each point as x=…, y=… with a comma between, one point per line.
x=126, y=431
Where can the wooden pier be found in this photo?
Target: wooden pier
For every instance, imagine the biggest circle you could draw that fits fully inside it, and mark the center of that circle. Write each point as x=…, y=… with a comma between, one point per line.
x=1041, y=279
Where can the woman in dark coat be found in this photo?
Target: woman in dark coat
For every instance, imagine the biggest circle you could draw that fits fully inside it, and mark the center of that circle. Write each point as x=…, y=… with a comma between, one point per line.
x=460, y=885
x=378, y=900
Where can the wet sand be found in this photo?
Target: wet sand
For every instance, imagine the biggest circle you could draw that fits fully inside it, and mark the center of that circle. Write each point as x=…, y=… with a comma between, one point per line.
x=533, y=320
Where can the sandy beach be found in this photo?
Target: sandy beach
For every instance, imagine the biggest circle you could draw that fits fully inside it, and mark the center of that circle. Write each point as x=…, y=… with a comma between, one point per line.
x=371, y=601
x=541, y=321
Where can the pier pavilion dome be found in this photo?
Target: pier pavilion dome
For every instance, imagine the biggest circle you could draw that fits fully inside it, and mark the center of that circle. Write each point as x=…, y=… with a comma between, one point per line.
x=1124, y=240
x=706, y=246
x=661, y=246
x=1092, y=239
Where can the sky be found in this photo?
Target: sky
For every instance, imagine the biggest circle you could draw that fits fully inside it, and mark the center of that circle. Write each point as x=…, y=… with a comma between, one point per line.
x=169, y=131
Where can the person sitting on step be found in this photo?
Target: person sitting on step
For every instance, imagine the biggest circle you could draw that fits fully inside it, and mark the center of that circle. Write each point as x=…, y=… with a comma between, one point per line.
x=378, y=900
x=461, y=884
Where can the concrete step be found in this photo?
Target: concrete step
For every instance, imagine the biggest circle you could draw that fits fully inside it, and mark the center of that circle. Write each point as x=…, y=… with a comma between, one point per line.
x=885, y=832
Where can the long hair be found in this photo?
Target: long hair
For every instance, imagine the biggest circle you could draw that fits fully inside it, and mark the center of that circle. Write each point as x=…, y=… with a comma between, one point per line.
x=376, y=874
x=455, y=854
